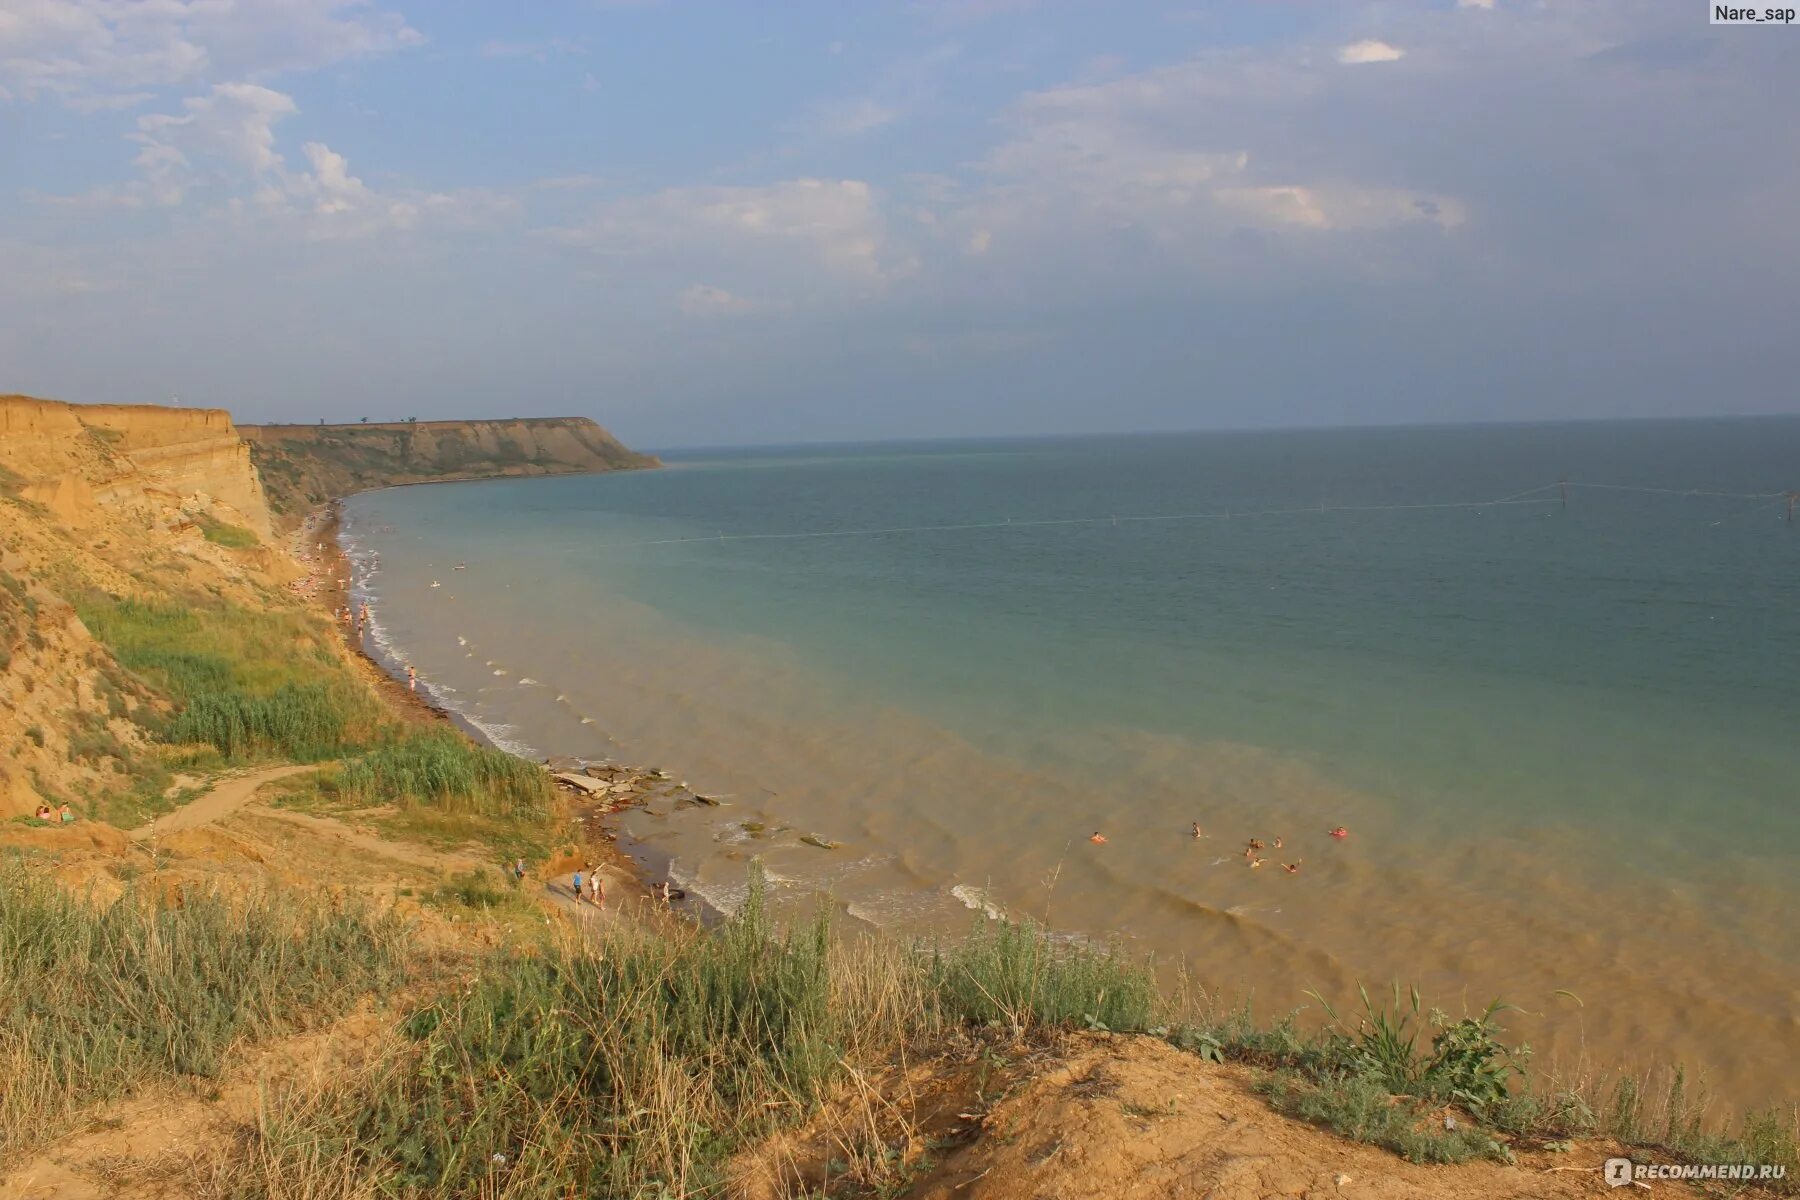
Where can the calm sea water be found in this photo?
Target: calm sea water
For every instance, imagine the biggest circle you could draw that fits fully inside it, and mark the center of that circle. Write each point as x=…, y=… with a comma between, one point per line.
x=1563, y=738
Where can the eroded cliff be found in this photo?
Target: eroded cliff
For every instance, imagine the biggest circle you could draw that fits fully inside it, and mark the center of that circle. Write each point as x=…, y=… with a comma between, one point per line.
x=128, y=500
x=306, y=465
x=160, y=466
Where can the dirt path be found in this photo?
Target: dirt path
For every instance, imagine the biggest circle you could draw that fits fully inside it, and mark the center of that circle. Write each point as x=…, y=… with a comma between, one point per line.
x=410, y=853
x=226, y=798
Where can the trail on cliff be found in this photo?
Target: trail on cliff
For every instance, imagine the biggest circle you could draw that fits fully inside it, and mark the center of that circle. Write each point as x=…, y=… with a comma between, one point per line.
x=225, y=798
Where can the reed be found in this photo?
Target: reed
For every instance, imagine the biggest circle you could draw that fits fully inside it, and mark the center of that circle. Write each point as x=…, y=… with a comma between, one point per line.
x=441, y=770
x=252, y=684
x=95, y=1001
x=636, y=1063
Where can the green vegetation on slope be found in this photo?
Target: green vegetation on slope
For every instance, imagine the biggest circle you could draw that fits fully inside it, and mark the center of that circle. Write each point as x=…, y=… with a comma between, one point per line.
x=253, y=685
x=95, y=1001
x=223, y=533
x=442, y=770
x=637, y=1063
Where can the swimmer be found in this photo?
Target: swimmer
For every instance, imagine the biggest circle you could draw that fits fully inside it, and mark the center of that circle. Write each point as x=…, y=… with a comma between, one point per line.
x=1278, y=841
x=1255, y=844
x=1098, y=838
x=1255, y=863
x=1197, y=834
x=1340, y=833
x=1293, y=868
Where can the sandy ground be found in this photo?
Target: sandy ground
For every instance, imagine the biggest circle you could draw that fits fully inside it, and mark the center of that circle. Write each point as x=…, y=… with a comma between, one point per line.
x=1132, y=1117
x=225, y=798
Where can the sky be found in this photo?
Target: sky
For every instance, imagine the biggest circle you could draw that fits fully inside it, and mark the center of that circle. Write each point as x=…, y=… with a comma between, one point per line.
x=738, y=223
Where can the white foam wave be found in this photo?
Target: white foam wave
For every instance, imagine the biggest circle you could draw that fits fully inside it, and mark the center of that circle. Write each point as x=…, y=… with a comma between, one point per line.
x=979, y=900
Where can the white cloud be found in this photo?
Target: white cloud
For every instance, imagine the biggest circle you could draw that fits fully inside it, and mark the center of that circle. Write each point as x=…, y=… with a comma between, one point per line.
x=706, y=300
x=834, y=224
x=234, y=123
x=1369, y=51
x=86, y=50
x=1474, y=3
x=330, y=186
x=221, y=149
x=901, y=90
x=1327, y=206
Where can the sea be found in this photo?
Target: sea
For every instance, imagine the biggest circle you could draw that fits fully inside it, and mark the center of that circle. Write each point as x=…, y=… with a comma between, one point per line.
x=1544, y=678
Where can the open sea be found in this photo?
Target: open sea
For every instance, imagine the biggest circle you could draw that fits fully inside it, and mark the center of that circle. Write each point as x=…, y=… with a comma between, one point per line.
x=1564, y=738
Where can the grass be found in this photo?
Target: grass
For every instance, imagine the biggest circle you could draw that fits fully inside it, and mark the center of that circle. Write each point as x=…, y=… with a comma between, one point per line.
x=223, y=533
x=636, y=1063
x=441, y=770
x=97, y=1001
x=1018, y=976
x=1393, y=1077
x=253, y=685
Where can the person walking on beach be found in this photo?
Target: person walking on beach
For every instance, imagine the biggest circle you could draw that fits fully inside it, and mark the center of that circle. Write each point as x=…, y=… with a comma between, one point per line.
x=596, y=888
x=575, y=882
x=412, y=679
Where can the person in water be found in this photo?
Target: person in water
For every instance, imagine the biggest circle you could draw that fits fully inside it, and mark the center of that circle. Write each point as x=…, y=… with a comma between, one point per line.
x=1098, y=838
x=1197, y=834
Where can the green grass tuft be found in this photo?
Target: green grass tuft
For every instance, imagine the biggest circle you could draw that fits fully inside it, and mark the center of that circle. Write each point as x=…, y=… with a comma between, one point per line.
x=442, y=770
x=223, y=533
x=253, y=685
x=96, y=1001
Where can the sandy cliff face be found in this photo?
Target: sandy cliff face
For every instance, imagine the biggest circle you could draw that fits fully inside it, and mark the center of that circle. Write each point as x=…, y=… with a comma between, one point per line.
x=160, y=466
x=120, y=499
x=305, y=465
x=106, y=497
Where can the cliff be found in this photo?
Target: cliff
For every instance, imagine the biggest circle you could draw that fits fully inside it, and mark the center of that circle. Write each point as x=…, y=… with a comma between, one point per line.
x=157, y=503
x=160, y=467
x=305, y=465
x=134, y=500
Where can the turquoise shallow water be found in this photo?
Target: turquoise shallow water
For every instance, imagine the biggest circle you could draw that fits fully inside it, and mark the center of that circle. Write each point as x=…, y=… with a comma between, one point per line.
x=1543, y=723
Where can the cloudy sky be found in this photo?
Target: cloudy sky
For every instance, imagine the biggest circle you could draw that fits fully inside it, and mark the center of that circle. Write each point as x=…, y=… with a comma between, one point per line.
x=708, y=223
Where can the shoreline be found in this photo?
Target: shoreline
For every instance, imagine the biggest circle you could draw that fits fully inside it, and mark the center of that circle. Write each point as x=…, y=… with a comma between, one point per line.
x=331, y=574
x=1223, y=931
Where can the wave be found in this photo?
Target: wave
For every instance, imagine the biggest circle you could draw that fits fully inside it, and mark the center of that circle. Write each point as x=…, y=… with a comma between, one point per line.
x=979, y=900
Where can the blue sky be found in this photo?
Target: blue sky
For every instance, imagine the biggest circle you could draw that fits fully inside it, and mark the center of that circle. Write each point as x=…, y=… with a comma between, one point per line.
x=707, y=223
